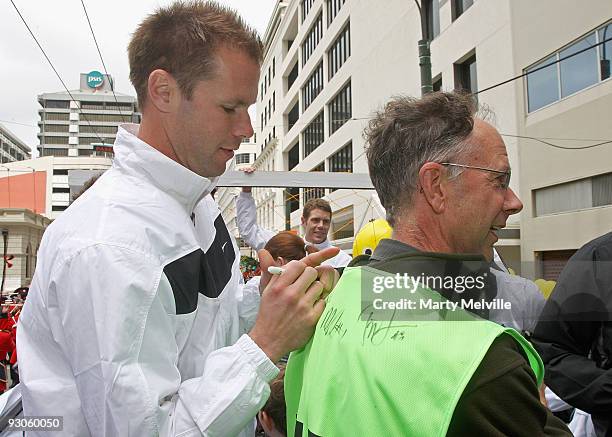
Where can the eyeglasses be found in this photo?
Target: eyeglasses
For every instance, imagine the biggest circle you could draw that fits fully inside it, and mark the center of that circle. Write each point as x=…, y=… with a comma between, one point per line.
x=505, y=182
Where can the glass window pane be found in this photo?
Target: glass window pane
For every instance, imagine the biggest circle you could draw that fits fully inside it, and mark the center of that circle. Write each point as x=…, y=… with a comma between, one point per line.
x=543, y=85
x=579, y=71
x=605, y=51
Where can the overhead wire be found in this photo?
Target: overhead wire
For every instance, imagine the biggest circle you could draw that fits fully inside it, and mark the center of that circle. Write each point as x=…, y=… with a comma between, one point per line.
x=54, y=69
x=102, y=59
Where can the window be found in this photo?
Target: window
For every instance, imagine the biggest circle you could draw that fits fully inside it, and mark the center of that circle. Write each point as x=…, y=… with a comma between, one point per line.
x=293, y=74
x=314, y=193
x=433, y=18
x=273, y=101
x=342, y=160
x=92, y=105
x=340, y=109
x=458, y=7
x=103, y=117
x=580, y=71
x=293, y=156
x=306, y=5
x=542, y=85
x=572, y=196
x=87, y=129
x=53, y=152
x=56, y=128
x=61, y=190
x=57, y=104
x=54, y=140
x=242, y=158
x=437, y=83
x=313, y=86
x=293, y=115
x=340, y=51
x=465, y=75
x=313, y=136
x=589, y=64
x=58, y=208
x=333, y=7
x=273, y=67
x=88, y=140
x=55, y=116
x=312, y=39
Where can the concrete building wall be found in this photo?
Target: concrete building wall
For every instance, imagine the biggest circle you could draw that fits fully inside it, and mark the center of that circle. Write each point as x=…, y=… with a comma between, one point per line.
x=24, y=230
x=540, y=29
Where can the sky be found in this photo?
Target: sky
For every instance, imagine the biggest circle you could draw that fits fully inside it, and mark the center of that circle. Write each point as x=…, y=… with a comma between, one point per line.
x=61, y=28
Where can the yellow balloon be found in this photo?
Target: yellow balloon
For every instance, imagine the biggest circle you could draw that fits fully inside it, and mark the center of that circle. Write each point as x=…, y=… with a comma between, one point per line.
x=369, y=236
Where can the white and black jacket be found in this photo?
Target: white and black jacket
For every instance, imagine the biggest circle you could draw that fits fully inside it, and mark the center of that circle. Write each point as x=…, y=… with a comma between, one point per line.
x=134, y=319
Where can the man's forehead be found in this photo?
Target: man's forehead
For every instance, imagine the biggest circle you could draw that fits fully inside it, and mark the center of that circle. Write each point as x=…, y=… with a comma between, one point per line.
x=489, y=147
x=319, y=213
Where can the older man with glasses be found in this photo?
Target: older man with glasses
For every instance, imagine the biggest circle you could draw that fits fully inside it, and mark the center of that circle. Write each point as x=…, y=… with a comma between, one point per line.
x=418, y=356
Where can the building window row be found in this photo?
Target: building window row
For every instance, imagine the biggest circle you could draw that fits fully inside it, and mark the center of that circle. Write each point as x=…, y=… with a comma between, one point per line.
x=87, y=129
x=312, y=38
x=293, y=74
x=564, y=77
x=340, y=51
x=54, y=140
x=293, y=116
x=109, y=106
x=53, y=152
x=340, y=109
x=333, y=7
x=267, y=80
x=243, y=158
x=314, y=193
x=314, y=135
x=573, y=196
x=306, y=6
x=313, y=86
x=55, y=116
x=56, y=128
x=342, y=160
x=107, y=118
x=57, y=104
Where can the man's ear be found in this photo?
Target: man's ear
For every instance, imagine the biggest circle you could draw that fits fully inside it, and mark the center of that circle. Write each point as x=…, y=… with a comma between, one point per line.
x=432, y=181
x=267, y=423
x=162, y=90
x=303, y=221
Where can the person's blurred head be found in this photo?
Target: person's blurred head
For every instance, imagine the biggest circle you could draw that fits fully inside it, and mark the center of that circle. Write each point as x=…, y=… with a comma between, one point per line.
x=316, y=219
x=286, y=246
x=272, y=416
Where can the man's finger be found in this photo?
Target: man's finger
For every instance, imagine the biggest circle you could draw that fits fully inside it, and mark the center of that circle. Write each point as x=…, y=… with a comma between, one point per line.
x=328, y=276
x=314, y=292
x=315, y=259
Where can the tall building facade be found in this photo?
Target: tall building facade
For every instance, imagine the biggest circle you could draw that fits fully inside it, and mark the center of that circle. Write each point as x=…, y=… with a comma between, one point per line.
x=84, y=122
x=329, y=64
x=226, y=196
x=11, y=147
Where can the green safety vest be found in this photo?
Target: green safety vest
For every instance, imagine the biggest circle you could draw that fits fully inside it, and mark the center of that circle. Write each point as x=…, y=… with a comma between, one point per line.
x=399, y=378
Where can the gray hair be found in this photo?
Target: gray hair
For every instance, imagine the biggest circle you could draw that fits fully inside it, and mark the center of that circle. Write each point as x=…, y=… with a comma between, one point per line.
x=409, y=132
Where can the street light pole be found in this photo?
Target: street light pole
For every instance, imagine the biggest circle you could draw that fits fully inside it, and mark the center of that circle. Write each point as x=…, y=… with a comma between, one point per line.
x=424, y=50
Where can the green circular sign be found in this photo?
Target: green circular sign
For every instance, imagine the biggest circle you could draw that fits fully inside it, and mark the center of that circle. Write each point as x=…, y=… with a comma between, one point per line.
x=95, y=79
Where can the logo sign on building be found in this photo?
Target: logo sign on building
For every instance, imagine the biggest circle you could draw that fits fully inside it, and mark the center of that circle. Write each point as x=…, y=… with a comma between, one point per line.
x=95, y=79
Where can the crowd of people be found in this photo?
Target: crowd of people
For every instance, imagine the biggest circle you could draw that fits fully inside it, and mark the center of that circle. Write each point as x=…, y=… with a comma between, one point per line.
x=139, y=321
x=11, y=305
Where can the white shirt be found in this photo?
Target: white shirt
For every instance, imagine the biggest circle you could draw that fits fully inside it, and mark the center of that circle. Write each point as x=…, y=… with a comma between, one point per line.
x=134, y=321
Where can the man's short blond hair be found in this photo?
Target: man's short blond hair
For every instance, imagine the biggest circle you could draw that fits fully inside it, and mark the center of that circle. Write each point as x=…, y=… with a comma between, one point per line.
x=182, y=39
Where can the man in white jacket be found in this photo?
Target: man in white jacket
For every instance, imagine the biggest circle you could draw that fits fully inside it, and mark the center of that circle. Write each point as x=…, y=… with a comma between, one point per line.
x=316, y=220
x=133, y=322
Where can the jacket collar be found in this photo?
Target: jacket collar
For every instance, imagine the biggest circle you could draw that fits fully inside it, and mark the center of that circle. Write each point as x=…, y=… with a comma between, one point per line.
x=135, y=157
